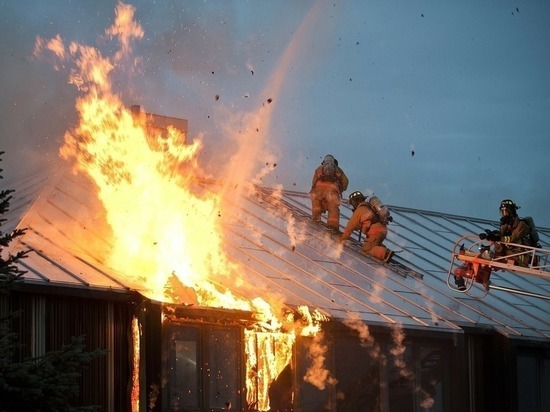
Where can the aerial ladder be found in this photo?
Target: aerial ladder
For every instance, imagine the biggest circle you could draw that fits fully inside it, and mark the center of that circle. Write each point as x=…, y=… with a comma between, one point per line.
x=473, y=260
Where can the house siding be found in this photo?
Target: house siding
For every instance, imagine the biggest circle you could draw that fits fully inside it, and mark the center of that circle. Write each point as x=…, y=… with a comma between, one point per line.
x=474, y=371
x=47, y=322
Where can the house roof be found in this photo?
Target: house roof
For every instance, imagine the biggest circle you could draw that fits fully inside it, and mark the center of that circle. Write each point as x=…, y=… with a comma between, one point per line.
x=281, y=252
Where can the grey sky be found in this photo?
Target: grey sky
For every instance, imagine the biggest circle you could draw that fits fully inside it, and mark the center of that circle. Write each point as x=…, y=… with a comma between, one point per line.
x=464, y=85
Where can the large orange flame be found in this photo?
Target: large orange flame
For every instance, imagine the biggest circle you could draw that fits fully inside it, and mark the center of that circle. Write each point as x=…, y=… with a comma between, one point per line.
x=165, y=229
x=161, y=227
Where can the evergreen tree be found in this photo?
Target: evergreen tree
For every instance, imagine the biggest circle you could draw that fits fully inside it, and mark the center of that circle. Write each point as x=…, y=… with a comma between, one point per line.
x=9, y=272
x=46, y=383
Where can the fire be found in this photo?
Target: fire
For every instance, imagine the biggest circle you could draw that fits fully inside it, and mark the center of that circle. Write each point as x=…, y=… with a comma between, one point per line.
x=165, y=228
x=161, y=226
x=267, y=355
x=136, y=339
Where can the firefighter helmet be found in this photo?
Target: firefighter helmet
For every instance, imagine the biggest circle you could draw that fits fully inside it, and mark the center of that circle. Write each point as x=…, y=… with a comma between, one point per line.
x=355, y=198
x=509, y=206
x=329, y=159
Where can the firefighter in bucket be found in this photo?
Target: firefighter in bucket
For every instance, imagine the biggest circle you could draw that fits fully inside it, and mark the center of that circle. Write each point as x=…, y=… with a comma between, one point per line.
x=512, y=229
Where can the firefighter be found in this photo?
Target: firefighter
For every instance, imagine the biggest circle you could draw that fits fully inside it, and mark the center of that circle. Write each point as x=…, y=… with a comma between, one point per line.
x=512, y=230
x=366, y=220
x=328, y=183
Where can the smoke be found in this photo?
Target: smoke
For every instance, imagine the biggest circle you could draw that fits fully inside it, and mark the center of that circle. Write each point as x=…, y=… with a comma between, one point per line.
x=255, y=158
x=398, y=350
x=252, y=158
x=427, y=401
x=428, y=303
x=367, y=340
x=309, y=324
x=295, y=235
x=317, y=374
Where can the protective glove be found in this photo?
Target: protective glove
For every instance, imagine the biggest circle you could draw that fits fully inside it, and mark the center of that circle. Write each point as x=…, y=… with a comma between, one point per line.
x=494, y=236
x=490, y=235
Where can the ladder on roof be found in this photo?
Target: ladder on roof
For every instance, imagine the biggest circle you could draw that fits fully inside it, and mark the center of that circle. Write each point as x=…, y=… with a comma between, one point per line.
x=400, y=268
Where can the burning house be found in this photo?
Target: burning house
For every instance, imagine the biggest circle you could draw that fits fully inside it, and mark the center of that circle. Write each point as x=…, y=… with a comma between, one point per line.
x=213, y=295
x=288, y=319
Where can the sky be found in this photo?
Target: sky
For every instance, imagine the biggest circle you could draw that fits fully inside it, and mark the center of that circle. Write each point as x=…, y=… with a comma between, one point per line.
x=435, y=105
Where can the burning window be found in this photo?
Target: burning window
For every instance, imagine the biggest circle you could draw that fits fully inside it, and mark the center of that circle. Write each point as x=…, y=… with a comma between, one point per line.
x=205, y=366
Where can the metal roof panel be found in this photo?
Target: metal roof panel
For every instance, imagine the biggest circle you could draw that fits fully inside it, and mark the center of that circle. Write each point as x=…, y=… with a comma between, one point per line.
x=281, y=253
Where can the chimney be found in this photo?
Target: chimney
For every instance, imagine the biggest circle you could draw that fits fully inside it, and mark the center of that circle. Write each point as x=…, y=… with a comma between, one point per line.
x=156, y=123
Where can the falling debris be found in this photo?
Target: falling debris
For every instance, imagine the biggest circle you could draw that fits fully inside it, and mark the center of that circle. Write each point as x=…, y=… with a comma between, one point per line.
x=252, y=71
x=217, y=97
x=412, y=152
x=269, y=100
